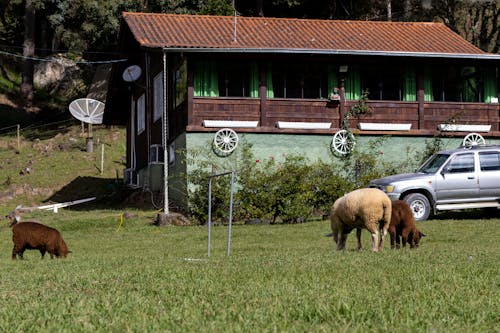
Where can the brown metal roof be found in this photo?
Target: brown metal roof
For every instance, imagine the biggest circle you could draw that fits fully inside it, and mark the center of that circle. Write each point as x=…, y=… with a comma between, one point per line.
x=263, y=34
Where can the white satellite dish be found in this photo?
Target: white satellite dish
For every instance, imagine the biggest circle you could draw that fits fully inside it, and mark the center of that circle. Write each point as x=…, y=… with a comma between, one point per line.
x=131, y=73
x=88, y=110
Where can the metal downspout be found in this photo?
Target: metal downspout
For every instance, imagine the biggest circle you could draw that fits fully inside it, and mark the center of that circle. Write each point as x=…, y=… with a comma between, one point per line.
x=165, y=134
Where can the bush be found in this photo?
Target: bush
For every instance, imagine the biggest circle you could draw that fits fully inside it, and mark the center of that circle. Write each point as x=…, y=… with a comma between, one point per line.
x=289, y=191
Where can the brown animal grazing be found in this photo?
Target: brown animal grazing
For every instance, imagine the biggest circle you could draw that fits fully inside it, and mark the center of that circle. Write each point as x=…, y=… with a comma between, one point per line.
x=32, y=235
x=403, y=226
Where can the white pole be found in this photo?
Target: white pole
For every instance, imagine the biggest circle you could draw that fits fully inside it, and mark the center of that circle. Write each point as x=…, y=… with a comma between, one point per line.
x=102, y=159
x=165, y=133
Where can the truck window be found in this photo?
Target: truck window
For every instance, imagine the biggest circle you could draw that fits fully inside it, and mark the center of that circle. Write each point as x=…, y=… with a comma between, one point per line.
x=489, y=161
x=461, y=163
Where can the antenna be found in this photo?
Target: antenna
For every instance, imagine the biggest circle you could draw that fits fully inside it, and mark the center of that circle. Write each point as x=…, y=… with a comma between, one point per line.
x=235, y=32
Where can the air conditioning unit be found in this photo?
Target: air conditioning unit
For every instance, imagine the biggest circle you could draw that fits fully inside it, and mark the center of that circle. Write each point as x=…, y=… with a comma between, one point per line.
x=156, y=154
x=130, y=177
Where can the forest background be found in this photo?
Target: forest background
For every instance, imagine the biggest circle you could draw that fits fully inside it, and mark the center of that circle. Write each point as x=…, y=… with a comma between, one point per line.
x=85, y=31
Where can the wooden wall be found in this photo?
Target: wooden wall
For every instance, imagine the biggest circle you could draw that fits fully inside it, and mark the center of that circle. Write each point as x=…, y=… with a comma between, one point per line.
x=274, y=110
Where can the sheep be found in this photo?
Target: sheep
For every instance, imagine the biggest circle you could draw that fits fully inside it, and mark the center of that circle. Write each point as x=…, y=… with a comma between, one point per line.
x=32, y=235
x=367, y=208
x=403, y=226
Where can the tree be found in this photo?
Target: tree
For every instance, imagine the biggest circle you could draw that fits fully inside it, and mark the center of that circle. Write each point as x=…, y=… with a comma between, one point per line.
x=27, y=93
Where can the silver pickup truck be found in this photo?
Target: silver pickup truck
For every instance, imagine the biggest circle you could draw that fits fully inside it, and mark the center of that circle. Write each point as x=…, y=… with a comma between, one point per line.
x=460, y=178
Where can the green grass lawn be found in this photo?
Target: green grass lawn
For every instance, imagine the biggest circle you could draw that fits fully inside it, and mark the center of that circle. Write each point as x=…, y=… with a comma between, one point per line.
x=279, y=278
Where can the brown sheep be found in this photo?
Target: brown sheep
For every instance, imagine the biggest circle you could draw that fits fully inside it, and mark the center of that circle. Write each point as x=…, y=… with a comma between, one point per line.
x=32, y=235
x=367, y=208
x=403, y=226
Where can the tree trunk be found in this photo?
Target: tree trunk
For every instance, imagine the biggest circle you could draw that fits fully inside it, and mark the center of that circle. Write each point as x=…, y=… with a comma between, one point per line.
x=28, y=52
x=407, y=10
x=389, y=10
x=260, y=7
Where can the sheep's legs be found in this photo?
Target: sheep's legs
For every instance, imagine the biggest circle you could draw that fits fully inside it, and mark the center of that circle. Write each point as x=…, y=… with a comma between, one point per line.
x=358, y=235
x=341, y=238
x=382, y=238
x=375, y=241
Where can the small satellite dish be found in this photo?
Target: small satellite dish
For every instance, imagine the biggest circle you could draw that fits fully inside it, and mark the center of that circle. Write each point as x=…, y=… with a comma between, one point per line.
x=131, y=73
x=88, y=110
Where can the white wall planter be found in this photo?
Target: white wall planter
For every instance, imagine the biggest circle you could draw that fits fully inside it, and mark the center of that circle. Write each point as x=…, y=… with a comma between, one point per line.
x=230, y=123
x=464, y=128
x=302, y=125
x=384, y=127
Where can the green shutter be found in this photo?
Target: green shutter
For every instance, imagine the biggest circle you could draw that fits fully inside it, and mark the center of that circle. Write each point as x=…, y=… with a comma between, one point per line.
x=353, y=84
x=410, y=85
x=254, y=80
x=428, y=94
x=205, y=79
x=269, y=81
x=490, y=78
x=214, y=80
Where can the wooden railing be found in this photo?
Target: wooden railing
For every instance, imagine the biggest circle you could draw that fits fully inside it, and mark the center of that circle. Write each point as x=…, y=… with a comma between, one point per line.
x=269, y=112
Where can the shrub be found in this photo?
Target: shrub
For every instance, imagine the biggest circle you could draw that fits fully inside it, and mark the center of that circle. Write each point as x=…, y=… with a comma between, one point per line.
x=286, y=191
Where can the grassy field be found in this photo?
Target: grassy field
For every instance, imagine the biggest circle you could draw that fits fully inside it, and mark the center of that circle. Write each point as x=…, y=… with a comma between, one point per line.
x=279, y=278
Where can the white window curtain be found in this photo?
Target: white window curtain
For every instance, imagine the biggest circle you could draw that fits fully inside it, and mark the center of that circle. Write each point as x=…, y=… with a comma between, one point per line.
x=158, y=96
x=141, y=114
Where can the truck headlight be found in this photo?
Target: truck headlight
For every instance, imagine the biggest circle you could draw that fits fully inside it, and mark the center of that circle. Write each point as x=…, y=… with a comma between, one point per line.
x=389, y=188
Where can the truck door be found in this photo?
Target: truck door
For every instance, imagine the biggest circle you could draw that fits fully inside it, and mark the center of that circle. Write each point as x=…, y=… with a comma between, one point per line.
x=457, y=181
x=489, y=175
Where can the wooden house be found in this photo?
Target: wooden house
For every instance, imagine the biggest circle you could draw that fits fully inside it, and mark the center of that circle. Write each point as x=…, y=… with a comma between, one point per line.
x=282, y=82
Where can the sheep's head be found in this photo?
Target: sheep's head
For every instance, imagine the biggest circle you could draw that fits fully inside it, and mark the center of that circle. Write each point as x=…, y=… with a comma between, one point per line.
x=14, y=217
x=416, y=239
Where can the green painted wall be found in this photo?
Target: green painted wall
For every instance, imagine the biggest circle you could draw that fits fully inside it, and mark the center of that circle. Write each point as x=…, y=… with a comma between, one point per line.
x=278, y=146
x=316, y=147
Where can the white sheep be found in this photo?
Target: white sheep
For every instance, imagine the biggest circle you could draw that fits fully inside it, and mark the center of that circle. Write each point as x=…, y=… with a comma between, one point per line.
x=367, y=208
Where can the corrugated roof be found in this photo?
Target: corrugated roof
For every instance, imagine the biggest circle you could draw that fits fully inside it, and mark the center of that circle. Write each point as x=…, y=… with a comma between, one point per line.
x=264, y=34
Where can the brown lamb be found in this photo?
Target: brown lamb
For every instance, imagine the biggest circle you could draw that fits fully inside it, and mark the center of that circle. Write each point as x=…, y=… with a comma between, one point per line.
x=36, y=236
x=403, y=226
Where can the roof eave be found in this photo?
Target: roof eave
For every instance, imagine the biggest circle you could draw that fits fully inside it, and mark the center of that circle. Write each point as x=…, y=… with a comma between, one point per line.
x=332, y=52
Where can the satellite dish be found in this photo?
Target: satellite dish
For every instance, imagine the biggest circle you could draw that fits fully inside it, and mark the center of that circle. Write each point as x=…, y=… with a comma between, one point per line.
x=88, y=110
x=131, y=73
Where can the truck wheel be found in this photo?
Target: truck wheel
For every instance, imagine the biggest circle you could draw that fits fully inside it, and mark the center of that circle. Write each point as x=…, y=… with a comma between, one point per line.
x=419, y=205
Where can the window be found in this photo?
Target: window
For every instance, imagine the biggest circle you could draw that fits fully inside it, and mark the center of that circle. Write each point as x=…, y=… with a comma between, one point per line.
x=158, y=96
x=461, y=83
x=382, y=83
x=292, y=80
x=141, y=114
x=461, y=163
x=489, y=161
x=180, y=84
x=238, y=79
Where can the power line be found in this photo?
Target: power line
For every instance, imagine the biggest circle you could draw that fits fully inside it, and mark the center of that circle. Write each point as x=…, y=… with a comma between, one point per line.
x=56, y=60
x=40, y=49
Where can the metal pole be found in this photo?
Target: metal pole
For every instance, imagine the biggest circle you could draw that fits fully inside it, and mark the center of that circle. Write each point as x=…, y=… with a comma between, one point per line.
x=209, y=211
x=165, y=133
x=230, y=215
x=102, y=159
x=18, y=137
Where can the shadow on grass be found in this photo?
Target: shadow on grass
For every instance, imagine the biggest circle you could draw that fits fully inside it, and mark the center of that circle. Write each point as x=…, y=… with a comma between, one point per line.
x=470, y=214
x=109, y=193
